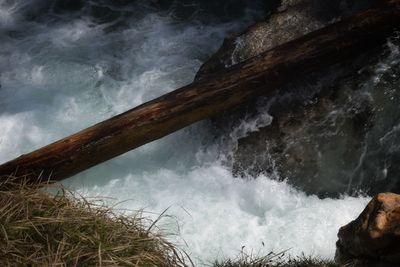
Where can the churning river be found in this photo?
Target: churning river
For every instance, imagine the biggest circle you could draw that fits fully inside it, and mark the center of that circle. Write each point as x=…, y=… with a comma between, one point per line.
x=65, y=65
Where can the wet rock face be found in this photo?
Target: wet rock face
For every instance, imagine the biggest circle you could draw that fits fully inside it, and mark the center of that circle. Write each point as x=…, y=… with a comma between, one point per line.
x=292, y=19
x=374, y=237
x=329, y=139
x=315, y=145
x=344, y=139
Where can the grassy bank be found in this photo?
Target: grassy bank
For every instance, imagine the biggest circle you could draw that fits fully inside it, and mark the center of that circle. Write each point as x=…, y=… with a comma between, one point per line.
x=42, y=229
x=38, y=228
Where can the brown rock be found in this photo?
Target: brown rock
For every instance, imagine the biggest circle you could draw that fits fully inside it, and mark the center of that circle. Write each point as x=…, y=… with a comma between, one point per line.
x=374, y=235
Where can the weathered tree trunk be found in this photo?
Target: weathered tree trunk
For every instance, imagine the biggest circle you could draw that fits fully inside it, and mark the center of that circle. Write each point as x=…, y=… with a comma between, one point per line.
x=207, y=97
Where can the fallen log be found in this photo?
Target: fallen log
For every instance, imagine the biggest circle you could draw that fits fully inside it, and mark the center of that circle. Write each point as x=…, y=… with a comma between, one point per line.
x=207, y=97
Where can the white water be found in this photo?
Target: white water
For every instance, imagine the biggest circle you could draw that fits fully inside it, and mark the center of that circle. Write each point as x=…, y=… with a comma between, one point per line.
x=57, y=78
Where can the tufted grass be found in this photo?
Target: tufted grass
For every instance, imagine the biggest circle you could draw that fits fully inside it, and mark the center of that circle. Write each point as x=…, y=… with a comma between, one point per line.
x=274, y=260
x=38, y=228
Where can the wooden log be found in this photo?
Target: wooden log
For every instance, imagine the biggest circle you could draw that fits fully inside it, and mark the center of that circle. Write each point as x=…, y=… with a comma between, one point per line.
x=207, y=97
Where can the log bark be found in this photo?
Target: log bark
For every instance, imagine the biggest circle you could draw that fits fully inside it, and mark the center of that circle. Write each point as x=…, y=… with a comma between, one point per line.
x=207, y=97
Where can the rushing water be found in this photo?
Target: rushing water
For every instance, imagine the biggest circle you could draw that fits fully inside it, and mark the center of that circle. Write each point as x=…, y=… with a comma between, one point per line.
x=65, y=65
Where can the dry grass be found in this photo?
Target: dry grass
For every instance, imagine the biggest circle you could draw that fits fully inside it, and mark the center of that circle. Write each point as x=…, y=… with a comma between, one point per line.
x=42, y=229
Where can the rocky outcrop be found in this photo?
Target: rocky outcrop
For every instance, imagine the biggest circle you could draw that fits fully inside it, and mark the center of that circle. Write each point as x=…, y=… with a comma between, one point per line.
x=373, y=239
x=293, y=19
x=316, y=145
x=325, y=136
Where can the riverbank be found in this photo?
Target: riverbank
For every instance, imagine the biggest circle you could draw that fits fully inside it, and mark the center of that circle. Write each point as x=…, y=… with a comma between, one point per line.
x=39, y=228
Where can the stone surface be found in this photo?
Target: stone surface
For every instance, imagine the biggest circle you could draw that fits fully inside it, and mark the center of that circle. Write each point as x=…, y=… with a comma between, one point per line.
x=315, y=145
x=374, y=235
x=326, y=134
x=293, y=19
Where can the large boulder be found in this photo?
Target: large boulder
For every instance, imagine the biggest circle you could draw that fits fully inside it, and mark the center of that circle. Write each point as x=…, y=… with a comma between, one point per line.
x=316, y=146
x=373, y=239
x=324, y=133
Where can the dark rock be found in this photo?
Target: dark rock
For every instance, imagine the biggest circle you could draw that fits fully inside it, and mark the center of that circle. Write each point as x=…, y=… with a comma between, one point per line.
x=315, y=145
x=326, y=135
x=343, y=139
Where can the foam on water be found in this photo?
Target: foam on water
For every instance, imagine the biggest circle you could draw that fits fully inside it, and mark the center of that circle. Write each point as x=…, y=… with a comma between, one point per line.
x=60, y=77
x=216, y=215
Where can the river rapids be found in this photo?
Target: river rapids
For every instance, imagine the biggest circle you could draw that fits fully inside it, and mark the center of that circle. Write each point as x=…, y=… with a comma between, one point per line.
x=65, y=65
